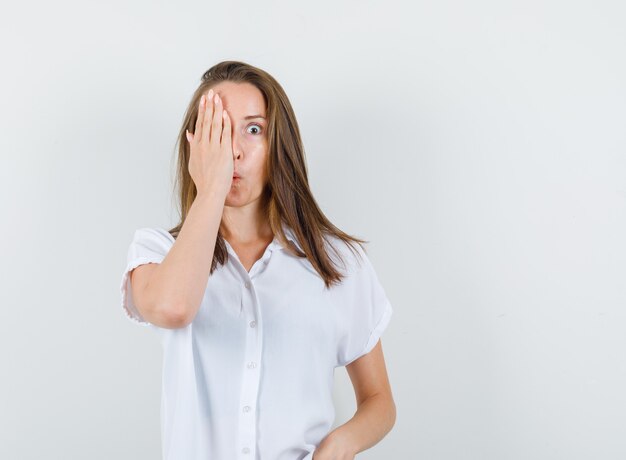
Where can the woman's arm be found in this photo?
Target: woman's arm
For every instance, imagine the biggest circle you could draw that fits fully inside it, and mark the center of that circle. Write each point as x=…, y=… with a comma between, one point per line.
x=169, y=294
x=376, y=410
x=174, y=289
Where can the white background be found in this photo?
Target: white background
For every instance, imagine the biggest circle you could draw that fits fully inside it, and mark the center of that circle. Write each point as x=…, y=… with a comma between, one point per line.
x=480, y=146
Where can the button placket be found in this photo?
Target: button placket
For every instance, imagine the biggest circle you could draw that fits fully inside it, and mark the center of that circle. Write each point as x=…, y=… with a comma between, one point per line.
x=250, y=382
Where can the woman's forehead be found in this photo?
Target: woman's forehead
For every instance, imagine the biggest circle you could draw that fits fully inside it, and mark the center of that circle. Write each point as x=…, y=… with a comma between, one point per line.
x=241, y=96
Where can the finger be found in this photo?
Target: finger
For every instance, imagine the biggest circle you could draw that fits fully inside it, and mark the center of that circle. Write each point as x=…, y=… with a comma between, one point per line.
x=216, y=124
x=226, y=138
x=198, y=130
x=208, y=116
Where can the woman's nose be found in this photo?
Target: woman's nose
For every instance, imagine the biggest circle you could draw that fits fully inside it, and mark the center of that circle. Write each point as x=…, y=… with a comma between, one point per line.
x=237, y=145
x=236, y=150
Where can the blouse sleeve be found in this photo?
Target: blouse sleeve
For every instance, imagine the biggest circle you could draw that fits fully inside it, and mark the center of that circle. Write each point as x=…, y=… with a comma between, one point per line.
x=365, y=311
x=149, y=245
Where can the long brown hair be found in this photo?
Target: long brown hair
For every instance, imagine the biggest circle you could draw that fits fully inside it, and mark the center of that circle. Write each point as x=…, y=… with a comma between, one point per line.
x=290, y=200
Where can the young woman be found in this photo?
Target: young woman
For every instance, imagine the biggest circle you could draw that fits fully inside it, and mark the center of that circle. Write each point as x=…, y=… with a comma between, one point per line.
x=257, y=297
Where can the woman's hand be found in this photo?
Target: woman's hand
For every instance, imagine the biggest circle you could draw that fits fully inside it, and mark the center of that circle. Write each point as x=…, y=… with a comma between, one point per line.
x=211, y=163
x=334, y=447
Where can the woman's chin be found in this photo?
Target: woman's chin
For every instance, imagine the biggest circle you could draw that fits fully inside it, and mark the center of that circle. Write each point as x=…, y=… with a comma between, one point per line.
x=235, y=198
x=238, y=197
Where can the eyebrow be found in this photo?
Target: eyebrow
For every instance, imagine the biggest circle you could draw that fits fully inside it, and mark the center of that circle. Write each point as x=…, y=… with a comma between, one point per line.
x=249, y=117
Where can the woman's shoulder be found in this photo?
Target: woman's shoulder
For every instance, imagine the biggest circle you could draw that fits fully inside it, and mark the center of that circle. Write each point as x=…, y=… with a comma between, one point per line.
x=156, y=239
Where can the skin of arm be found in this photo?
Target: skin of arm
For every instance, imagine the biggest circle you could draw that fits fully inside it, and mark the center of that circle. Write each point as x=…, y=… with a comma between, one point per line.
x=375, y=415
x=181, y=278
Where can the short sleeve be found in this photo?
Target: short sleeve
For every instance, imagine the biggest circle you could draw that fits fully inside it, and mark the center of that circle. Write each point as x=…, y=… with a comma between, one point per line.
x=149, y=245
x=365, y=311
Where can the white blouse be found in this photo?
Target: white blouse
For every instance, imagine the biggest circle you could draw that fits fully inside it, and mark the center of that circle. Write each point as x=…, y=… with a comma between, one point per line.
x=251, y=377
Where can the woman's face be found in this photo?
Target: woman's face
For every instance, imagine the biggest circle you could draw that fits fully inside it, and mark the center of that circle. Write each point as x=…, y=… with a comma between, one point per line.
x=246, y=108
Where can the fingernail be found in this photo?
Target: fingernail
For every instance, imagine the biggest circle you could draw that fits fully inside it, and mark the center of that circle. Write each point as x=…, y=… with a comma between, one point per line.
x=210, y=93
x=188, y=135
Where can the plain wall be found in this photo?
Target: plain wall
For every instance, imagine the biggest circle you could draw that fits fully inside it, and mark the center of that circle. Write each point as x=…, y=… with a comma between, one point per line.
x=480, y=147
